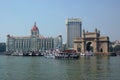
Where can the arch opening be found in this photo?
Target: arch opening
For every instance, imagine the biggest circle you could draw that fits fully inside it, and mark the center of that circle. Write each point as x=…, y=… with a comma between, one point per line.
x=89, y=47
x=101, y=50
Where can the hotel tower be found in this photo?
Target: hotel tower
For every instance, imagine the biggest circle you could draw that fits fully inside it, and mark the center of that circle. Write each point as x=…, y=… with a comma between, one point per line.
x=74, y=29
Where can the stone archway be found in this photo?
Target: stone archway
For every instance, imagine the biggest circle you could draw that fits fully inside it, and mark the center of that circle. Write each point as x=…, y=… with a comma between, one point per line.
x=92, y=41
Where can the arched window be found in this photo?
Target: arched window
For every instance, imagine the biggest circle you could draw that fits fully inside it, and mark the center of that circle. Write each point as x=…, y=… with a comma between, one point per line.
x=101, y=50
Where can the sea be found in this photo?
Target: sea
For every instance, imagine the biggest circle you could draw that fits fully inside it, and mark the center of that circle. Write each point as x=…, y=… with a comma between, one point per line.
x=41, y=68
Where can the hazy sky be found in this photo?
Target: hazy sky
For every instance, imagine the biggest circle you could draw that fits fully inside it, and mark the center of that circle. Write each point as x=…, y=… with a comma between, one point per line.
x=18, y=16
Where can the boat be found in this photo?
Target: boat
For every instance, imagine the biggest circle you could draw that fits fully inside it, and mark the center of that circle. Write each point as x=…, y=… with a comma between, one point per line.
x=8, y=53
x=32, y=53
x=17, y=54
x=87, y=54
x=20, y=54
x=64, y=55
x=49, y=55
x=82, y=54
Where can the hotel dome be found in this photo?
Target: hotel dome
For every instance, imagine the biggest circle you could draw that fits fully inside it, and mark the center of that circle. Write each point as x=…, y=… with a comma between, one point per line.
x=34, y=28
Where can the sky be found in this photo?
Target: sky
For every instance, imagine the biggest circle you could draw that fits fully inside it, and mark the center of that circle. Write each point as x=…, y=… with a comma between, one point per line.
x=18, y=16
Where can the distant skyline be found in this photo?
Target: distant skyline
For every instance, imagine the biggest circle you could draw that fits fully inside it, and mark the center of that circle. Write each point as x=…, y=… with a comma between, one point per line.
x=18, y=16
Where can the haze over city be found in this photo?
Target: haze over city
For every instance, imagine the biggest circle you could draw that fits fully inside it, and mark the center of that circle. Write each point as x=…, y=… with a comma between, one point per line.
x=18, y=17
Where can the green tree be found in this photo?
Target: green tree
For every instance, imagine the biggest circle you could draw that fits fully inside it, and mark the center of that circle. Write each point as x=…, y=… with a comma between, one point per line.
x=117, y=48
x=111, y=49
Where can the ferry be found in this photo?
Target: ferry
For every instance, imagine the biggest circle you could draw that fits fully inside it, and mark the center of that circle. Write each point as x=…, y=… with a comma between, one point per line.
x=64, y=55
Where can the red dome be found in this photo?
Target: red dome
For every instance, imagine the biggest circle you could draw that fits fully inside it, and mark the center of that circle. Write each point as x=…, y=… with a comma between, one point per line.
x=34, y=28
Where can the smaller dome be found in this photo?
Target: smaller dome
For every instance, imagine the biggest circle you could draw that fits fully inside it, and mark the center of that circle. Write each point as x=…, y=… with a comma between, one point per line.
x=34, y=28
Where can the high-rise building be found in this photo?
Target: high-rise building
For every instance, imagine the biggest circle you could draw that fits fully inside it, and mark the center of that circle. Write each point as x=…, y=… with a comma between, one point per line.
x=58, y=42
x=34, y=42
x=74, y=29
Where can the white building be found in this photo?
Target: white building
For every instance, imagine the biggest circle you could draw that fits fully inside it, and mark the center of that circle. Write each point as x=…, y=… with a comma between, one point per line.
x=34, y=42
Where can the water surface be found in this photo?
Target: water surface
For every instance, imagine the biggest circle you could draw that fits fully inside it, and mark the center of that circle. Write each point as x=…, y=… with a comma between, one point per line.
x=40, y=68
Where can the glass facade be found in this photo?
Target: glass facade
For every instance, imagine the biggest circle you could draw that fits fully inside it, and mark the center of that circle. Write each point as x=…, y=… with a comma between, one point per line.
x=74, y=29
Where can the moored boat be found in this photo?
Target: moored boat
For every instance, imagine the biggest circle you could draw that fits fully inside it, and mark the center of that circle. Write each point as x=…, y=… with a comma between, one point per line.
x=64, y=55
x=87, y=54
x=49, y=55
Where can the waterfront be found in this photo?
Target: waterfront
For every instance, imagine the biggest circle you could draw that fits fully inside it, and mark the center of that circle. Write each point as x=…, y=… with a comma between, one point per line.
x=40, y=68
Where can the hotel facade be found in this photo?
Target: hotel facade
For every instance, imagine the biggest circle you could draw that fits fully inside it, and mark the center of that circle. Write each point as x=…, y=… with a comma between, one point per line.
x=74, y=30
x=34, y=42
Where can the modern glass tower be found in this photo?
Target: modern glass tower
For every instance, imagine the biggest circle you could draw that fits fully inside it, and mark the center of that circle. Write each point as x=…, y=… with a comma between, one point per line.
x=74, y=30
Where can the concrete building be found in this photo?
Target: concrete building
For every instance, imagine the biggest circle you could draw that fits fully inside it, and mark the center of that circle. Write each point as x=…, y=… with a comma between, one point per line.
x=58, y=42
x=2, y=47
x=74, y=30
x=92, y=41
x=34, y=42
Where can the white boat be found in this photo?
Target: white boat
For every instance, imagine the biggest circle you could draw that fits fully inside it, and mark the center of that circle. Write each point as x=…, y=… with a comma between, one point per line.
x=49, y=56
x=64, y=55
x=82, y=54
x=20, y=54
x=87, y=54
x=17, y=54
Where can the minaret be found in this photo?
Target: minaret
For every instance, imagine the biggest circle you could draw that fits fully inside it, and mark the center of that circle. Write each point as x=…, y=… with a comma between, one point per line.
x=34, y=23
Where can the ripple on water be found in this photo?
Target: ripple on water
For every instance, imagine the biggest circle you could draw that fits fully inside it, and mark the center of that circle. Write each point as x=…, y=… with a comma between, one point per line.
x=40, y=68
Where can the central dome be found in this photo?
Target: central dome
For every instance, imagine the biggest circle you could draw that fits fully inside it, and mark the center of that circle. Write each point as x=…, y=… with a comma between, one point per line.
x=34, y=28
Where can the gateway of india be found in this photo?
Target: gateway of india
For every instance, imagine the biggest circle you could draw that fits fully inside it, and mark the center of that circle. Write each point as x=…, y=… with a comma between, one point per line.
x=92, y=41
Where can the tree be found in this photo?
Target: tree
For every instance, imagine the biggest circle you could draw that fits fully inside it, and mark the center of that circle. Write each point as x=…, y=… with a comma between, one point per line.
x=117, y=48
x=111, y=49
